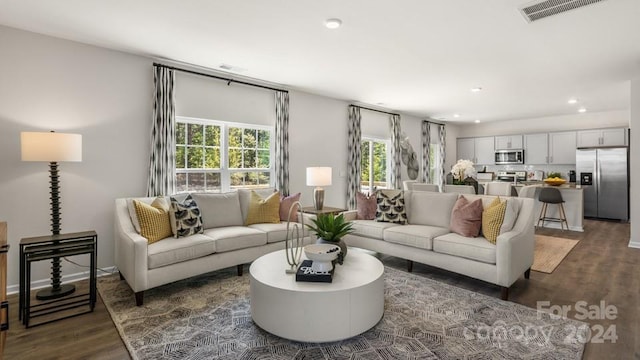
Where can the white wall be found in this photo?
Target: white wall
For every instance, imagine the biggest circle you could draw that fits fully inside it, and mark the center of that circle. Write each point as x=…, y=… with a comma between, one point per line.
x=547, y=124
x=52, y=84
x=634, y=158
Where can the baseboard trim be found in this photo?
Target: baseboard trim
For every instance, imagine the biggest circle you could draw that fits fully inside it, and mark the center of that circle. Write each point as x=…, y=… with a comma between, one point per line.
x=554, y=225
x=70, y=278
x=634, y=244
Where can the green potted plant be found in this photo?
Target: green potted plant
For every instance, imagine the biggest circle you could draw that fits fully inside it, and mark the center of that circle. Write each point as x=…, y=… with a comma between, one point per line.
x=331, y=229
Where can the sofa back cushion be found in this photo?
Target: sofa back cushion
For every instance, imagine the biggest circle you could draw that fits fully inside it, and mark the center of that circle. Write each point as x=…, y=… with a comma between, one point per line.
x=219, y=209
x=431, y=208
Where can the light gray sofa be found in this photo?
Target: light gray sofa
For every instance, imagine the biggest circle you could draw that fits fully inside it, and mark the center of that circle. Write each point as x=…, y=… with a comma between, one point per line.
x=427, y=239
x=225, y=242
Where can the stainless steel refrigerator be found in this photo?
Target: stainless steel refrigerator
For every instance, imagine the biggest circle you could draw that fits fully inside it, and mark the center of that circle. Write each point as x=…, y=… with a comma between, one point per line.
x=603, y=173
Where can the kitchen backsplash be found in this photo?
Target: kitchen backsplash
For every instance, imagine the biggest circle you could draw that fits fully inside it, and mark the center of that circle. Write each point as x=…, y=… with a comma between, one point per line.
x=562, y=169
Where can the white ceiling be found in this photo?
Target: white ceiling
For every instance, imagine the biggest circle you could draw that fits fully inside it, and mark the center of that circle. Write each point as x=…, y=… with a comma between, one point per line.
x=415, y=56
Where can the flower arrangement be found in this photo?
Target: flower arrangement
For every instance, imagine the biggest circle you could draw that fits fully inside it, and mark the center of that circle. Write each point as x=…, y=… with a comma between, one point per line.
x=463, y=169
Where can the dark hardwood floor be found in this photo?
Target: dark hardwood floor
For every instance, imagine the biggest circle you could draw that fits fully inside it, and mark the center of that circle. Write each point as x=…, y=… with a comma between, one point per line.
x=600, y=268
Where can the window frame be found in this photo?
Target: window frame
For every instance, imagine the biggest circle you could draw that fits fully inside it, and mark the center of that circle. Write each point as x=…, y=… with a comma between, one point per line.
x=387, y=143
x=224, y=170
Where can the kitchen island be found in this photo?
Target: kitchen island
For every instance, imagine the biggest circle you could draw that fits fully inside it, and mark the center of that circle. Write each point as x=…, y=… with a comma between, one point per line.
x=573, y=205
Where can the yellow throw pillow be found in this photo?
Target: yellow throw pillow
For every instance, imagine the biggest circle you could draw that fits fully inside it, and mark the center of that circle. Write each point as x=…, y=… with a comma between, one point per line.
x=155, y=224
x=492, y=219
x=263, y=210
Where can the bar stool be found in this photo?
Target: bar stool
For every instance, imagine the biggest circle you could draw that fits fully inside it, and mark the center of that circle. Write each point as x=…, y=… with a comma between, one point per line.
x=549, y=195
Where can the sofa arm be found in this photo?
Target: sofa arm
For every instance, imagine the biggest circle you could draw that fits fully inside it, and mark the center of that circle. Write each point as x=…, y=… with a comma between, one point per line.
x=130, y=249
x=350, y=215
x=514, y=255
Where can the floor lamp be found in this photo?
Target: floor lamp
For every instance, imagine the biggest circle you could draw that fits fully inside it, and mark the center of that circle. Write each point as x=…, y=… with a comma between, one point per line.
x=52, y=147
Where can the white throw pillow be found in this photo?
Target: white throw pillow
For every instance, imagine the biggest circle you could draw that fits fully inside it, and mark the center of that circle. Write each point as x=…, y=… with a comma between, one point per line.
x=510, y=215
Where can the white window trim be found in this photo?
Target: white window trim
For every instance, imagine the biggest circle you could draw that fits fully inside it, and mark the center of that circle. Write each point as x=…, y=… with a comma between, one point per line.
x=387, y=143
x=225, y=172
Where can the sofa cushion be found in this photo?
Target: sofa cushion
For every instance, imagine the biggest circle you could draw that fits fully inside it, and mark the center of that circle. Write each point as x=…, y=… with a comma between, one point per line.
x=186, y=218
x=492, y=219
x=285, y=205
x=419, y=236
x=466, y=217
x=391, y=208
x=431, y=208
x=154, y=220
x=236, y=237
x=219, y=210
x=278, y=232
x=371, y=228
x=366, y=206
x=477, y=248
x=263, y=210
x=172, y=250
x=244, y=197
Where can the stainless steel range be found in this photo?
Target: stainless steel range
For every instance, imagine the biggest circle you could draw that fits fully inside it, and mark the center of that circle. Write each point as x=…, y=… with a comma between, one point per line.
x=512, y=176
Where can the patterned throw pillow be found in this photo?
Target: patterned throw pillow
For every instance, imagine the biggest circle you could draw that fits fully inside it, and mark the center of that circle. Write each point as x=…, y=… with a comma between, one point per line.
x=186, y=217
x=492, y=219
x=391, y=208
x=466, y=217
x=264, y=210
x=154, y=219
x=366, y=206
x=285, y=205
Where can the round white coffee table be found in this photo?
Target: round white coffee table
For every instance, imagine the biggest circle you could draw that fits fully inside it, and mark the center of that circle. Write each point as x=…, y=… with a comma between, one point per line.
x=317, y=312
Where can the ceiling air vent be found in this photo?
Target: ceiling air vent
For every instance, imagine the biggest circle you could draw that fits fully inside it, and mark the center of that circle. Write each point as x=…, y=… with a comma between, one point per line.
x=541, y=9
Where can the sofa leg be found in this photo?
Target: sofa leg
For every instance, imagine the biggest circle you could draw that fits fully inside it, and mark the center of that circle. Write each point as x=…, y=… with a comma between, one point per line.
x=239, y=267
x=121, y=277
x=409, y=266
x=139, y=298
x=527, y=273
x=505, y=293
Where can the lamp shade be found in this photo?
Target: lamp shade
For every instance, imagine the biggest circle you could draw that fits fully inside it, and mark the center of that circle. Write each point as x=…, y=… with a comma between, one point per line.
x=50, y=146
x=318, y=176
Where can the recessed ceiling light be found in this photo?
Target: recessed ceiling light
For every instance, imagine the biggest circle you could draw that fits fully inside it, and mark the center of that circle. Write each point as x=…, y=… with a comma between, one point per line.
x=456, y=115
x=476, y=89
x=572, y=101
x=582, y=110
x=476, y=121
x=333, y=23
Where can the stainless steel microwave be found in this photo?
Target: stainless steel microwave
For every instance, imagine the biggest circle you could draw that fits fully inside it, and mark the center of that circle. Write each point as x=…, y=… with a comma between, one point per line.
x=512, y=156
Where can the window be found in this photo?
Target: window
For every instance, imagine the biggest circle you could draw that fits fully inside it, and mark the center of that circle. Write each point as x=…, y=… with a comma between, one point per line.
x=374, y=164
x=219, y=156
x=434, y=163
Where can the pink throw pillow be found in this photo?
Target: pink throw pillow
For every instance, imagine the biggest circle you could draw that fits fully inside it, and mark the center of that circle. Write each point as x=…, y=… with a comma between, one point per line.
x=285, y=205
x=366, y=206
x=466, y=217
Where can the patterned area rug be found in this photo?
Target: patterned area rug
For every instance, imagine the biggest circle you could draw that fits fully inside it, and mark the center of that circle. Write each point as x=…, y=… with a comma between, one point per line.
x=209, y=317
x=550, y=251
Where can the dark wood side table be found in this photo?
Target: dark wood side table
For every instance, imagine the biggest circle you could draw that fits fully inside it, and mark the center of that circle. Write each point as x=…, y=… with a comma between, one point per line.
x=325, y=210
x=45, y=248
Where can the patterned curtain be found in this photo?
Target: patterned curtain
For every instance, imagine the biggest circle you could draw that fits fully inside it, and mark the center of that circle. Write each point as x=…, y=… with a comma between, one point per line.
x=442, y=134
x=354, y=152
x=162, y=167
x=426, y=151
x=282, y=142
x=396, y=179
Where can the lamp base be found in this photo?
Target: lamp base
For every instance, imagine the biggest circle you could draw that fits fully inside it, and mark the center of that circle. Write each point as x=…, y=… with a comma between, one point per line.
x=50, y=293
x=318, y=198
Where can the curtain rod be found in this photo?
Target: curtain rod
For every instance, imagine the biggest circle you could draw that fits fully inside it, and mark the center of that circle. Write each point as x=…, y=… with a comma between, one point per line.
x=380, y=111
x=228, y=80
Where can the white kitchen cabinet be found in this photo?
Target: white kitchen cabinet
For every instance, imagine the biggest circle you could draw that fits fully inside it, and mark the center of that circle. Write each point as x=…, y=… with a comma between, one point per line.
x=602, y=137
x=506, y=142
x=562, y=148
x=466, y=149
x=479, y=150
x=536, y=148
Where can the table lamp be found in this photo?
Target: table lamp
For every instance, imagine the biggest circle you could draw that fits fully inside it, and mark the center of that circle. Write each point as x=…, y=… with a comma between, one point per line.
x=318, y=176
x=52, y=147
